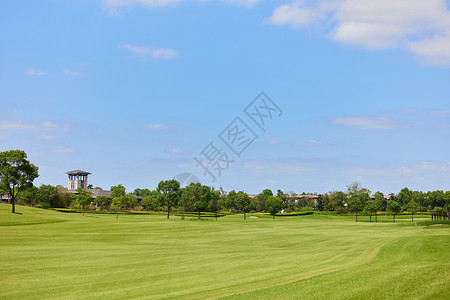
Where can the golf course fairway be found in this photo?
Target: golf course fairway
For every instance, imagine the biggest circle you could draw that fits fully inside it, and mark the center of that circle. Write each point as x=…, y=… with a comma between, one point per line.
x=46, y=254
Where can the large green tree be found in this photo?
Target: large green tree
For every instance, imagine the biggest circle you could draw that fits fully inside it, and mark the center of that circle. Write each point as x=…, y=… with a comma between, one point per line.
x=393, y=207
x=412, y=207
x=273, y=205
x=338, y=201
x=169, y=193
x=198, y=196
x=244, y=202
x=16, y=174
x=83, y=197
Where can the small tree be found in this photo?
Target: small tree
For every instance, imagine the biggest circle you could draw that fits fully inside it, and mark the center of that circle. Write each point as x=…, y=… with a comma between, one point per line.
x=215, y=198
x=16, y=174
x=355, y=205
x=117, y=203
x=83, y=197
x=273, y=205
x=393, y=207
x=170, y=193
x=244, y=202
x=412, y=207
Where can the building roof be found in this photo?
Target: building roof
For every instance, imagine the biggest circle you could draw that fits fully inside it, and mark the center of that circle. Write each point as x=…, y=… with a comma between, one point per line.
x=78, y=172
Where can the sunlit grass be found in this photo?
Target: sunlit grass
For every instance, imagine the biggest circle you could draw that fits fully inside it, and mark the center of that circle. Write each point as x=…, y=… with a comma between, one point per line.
x=46, y=254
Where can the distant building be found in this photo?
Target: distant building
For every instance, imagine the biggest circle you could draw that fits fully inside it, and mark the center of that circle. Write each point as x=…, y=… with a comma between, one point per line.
x=77, y=178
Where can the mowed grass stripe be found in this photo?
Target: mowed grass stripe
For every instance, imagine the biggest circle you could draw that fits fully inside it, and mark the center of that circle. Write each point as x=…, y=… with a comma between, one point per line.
x=148, y=256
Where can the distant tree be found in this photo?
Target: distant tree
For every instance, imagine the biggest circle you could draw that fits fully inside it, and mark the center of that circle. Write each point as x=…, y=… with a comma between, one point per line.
x=355, y=205
x=412, y=207
x=355, y=189
x=48, y=194
x=117, y=203
x=215, y=202
x=170, y=193
x=90, y=186
x=273, y=205
x=404, y=196
x=231, y=201
x=117, y=191
x=379, y=196
x=268, y=192
x=338, y=201
x=137, y=192
x=198, y=196
x=83, y=197
x=129, y=201
x=29, y=195
x=437, y=198
x=150, y=202
x=244, y=202
x=16, y=174
x=393, y=207
x=104, y=201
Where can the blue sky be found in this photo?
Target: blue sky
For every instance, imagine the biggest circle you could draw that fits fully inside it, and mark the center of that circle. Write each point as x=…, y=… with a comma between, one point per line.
x=134, y=90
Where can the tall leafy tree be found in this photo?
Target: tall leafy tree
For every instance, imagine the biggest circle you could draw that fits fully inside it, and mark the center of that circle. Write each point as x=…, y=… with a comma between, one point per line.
x=16, y=174
x=393, y=207
x=244, y=202
x=199, y=196
x=355, y=205
x=83, y=197
x=117, y=203
x=412, y=207
x=170, y=193
x=215, y=202
x=338, y=201
x=273, y=205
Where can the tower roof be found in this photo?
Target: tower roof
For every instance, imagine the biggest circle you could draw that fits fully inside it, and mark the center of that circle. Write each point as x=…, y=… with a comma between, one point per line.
x=78, y=172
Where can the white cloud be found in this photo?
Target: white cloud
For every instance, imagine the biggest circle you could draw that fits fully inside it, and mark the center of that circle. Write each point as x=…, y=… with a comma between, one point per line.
x=422, y=27
x=272, y=142
x=152, y=52
x=68, y=72
x=159, y=127
x=177, y=151
x=370, y=122
x=242, y=2
x=310, y=143
x=32, y=72
x=52, y=126
x=63, y=150
x=114, y=6
x=297, y=15
x=440, y=114
x=16, y=125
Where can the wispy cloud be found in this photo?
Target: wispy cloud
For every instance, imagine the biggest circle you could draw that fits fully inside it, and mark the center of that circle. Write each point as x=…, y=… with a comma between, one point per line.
x=422, y=27
x=52, y=126
x=115, y=6
x=159, y=127
x=177, y=151
x=32, y=72
x=16, y=125
x=61, y=150
x=68, y=72
x=151, y=52
x=370, y=122
x=272, y=142
x=440, y=114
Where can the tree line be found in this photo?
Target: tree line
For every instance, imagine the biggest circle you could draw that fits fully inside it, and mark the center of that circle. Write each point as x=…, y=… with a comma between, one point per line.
x=17, y=175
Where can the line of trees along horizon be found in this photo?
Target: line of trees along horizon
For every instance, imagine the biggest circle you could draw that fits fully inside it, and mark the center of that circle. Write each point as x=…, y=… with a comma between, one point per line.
x=17, y=175
x=197, y=198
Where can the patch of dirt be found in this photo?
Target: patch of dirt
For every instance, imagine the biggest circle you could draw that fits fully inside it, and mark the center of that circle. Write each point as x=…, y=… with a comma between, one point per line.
x=253, y=217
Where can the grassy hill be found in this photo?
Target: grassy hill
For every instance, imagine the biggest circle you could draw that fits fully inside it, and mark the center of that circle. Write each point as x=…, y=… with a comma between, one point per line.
x=51, y=255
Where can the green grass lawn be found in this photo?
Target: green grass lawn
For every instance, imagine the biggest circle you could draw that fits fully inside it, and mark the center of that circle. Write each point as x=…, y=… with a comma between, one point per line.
x=50, y=255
